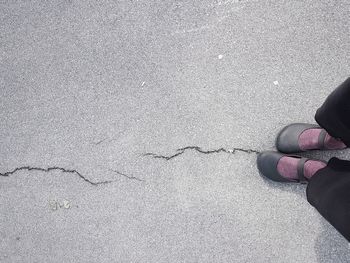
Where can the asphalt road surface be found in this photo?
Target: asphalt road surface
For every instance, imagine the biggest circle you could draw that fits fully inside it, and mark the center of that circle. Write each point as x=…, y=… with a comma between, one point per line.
x=129, y=129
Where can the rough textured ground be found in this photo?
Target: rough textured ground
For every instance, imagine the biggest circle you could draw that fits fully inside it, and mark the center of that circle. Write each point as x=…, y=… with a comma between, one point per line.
x=89, y=87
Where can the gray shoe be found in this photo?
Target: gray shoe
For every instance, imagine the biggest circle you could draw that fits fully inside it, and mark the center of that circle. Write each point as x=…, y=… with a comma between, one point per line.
x=267, y=165
x=288, y=137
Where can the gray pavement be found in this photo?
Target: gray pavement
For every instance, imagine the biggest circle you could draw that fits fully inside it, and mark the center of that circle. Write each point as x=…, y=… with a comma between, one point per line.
x=89, y=87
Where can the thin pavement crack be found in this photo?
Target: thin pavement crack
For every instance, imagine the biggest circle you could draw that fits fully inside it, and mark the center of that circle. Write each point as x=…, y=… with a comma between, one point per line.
x=64, y=170
x=100, y=141
x=131, y=177
x=181, y=151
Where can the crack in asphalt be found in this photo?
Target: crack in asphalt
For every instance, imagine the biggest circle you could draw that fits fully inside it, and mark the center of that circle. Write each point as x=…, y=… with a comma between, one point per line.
x=64, y=170
x=181, y=151
x=131, y=177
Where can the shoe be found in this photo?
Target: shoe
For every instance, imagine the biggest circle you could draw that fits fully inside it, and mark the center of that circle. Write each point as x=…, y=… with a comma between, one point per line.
x=267, y=164
x=287, y=140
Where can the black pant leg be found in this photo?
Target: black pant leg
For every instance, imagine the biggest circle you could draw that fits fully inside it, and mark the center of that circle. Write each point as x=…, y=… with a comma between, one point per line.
x=334, y=114
x=329, y=192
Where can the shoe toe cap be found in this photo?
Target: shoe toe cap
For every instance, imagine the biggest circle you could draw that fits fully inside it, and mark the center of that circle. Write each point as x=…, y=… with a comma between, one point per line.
x=287, y=140
x=267, y=164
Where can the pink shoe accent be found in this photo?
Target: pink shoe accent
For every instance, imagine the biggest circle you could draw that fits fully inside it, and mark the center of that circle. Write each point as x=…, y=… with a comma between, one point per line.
x=332, y=143
x=288, y=167
x=308, y=140
x=311, y=167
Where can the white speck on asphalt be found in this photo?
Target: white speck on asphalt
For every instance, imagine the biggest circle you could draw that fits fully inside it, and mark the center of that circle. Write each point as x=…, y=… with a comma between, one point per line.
x=66, y=204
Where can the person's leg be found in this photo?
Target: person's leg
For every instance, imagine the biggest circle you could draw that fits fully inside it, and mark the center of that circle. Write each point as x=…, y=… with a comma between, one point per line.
x=334, y=114
x=328, y=183
x=333, y=131
x=329, y=192
x=329, y=189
